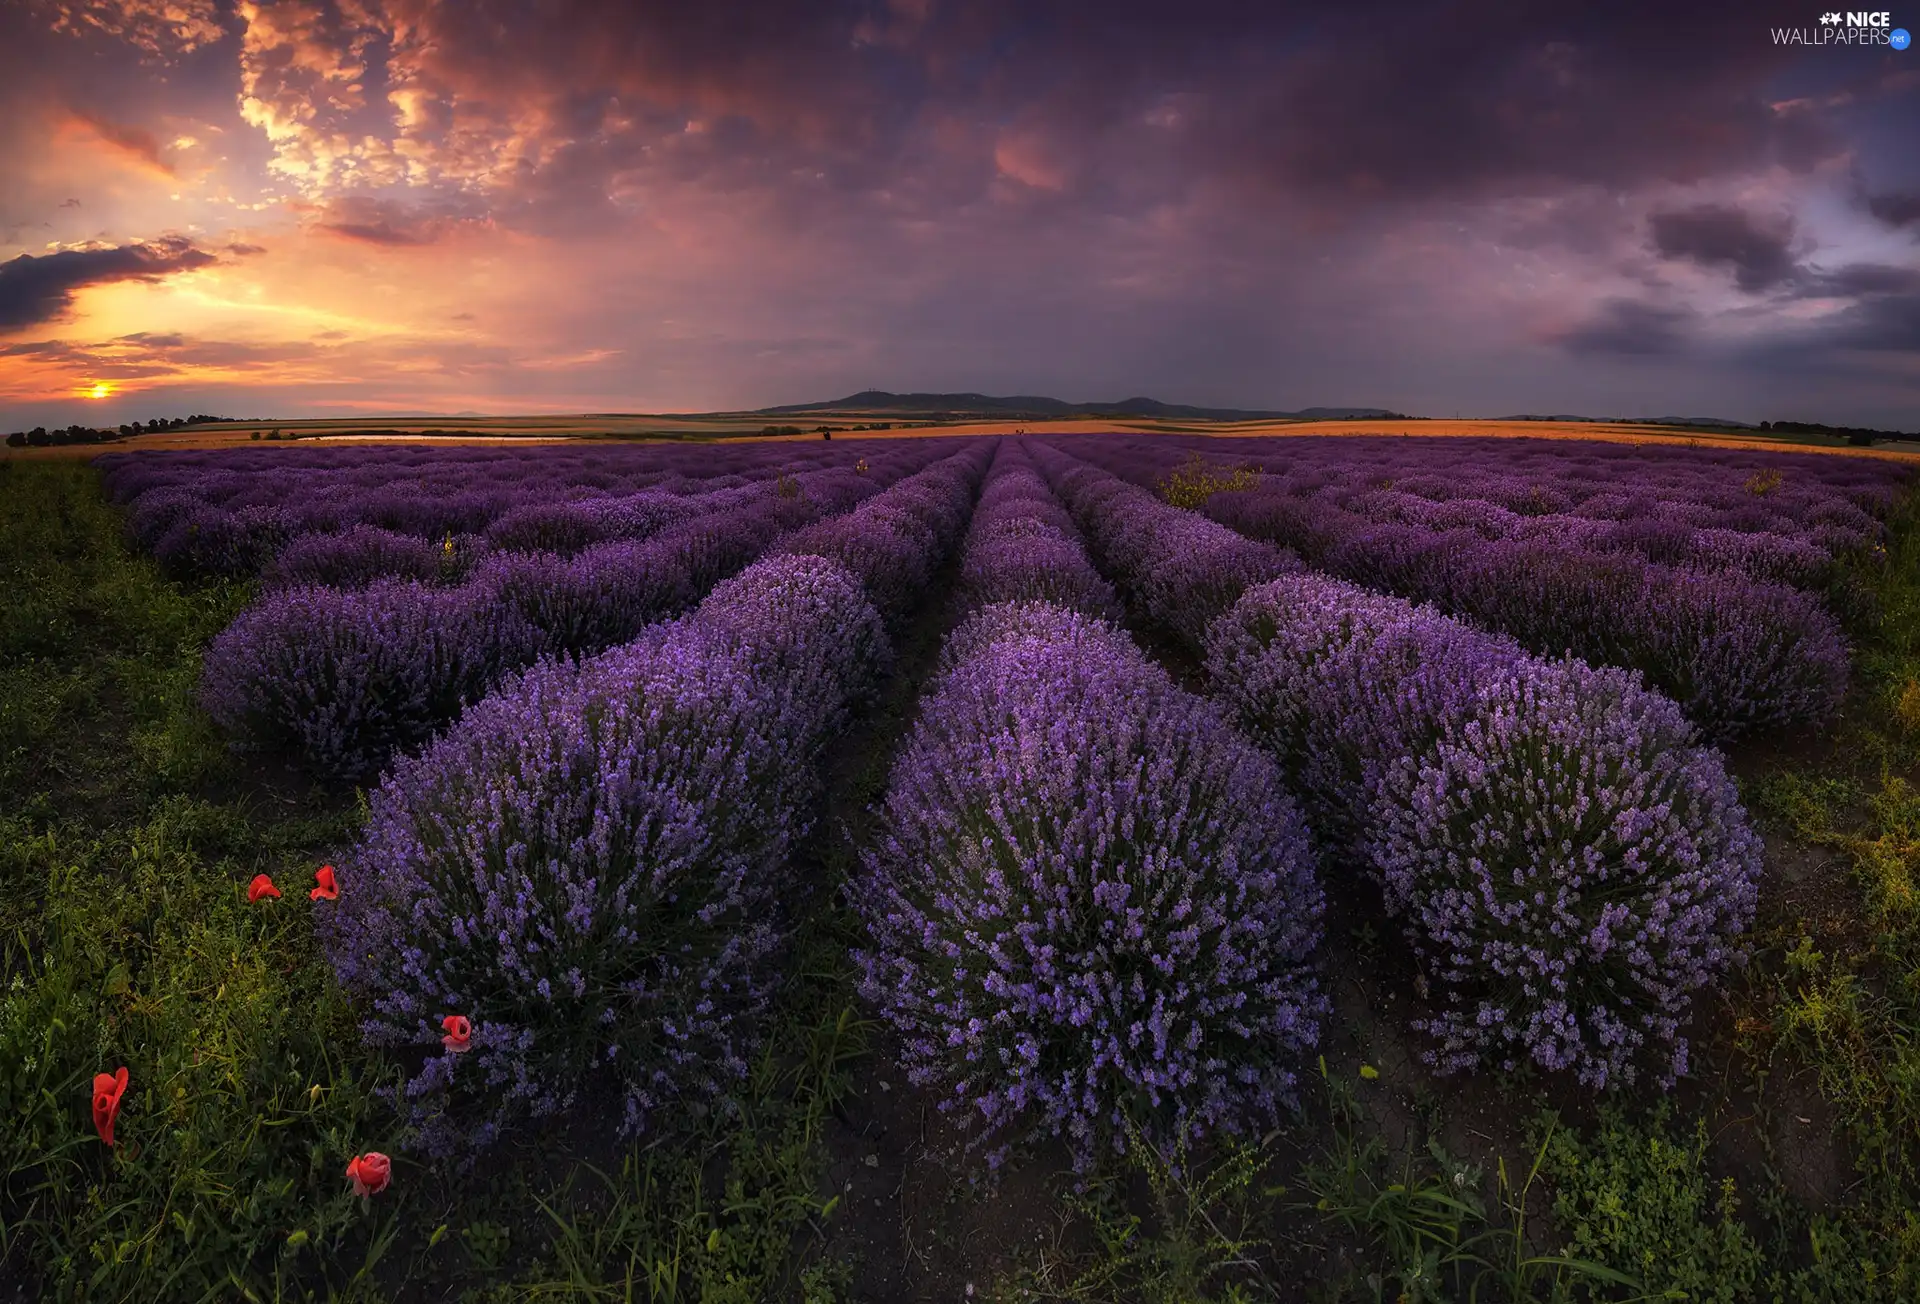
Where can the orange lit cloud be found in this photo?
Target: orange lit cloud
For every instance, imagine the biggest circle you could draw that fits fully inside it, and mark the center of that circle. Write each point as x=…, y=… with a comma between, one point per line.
x=135, y=144
x=155, y=27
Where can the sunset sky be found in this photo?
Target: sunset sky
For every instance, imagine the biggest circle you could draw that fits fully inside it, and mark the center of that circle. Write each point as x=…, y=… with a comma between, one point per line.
x=333, y=207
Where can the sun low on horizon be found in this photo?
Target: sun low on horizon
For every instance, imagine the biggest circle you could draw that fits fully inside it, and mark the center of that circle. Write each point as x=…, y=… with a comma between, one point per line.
x=337, y=207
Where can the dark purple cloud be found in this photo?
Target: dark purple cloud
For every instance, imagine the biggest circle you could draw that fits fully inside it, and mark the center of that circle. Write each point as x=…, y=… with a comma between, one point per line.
x=1629, y=327
x=1757, y=250
x=1896, y=208
x=40, y=288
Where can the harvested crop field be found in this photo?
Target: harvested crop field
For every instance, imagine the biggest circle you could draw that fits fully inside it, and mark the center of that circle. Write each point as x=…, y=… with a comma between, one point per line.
x=1311, y=864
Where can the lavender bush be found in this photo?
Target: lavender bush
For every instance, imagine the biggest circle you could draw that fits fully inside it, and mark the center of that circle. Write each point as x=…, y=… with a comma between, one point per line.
x=894, y=542
x=1692, y=592
x=1569, y=864
x=1023, y=546
x=210, y=543
x=588, y=865
x=358, y=557
x=1179, y=568
x=1089, y=902
x=549, y=499
x=1574, y=870
x=342, y=678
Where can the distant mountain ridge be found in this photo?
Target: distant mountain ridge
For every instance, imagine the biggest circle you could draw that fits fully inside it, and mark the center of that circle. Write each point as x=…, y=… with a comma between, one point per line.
x=1037, y=405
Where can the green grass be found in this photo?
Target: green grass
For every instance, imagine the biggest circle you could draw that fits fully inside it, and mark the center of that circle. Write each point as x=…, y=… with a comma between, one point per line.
x=126, y=939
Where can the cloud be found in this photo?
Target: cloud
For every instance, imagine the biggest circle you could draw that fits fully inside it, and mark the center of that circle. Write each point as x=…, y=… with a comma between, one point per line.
x=146, y=355
x=1714, y=235
x=1861, y=280
x=1888, y=323
x=157, y=28
x=365, y=220
x=40, y=289
x=1897, y=208
x=130, y=142
x=1884, y=315
x=1630, y=327
x=1404, y=102
x=375, y=233
x=1239, y=205
x=1384, y=103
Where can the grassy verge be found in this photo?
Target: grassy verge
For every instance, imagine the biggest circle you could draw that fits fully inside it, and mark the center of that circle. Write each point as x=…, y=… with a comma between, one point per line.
x=126, y=940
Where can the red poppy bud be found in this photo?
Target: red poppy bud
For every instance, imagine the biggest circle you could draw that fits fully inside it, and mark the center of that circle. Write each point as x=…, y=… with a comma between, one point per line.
x=262, y=886
x=369, y=1173
x=107, y=1090
x=329, y=889
x=459, y=1033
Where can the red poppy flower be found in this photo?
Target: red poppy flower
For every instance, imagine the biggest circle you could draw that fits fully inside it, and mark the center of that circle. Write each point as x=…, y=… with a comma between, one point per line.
x=459, y=1033
x=369, y=1173
x=329, y=889
x=107, y=1090
x=262, y=886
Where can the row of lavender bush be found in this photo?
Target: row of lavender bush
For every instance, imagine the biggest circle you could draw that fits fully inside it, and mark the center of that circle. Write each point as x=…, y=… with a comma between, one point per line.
x=590, y=865
x=341, y=678
x=228, y=514
x=1090, y=904
x=1738, y=655
x=1506, y=488
x=1568, y=864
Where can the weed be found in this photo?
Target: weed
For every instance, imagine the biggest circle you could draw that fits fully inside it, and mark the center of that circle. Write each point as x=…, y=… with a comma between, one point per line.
x=1196, y=1243
x=1194, y=481
x=1638, y=1198
x=1424, y=1225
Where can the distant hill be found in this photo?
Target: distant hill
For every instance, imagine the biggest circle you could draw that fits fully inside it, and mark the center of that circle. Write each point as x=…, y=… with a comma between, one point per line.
x=1035, y=405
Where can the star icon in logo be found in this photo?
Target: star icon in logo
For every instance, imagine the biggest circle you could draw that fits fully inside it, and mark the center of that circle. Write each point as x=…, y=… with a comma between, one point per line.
x=1830, y=20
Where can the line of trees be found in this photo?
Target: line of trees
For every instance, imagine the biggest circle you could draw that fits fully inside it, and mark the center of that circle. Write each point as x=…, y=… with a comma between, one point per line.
x=41, y=437
x=1859, y=435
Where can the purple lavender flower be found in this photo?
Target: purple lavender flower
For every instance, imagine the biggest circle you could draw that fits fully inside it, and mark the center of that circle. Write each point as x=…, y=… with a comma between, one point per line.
x=1089, y=902
x=589, y=864
x=1573, y=870
x=1569, y=864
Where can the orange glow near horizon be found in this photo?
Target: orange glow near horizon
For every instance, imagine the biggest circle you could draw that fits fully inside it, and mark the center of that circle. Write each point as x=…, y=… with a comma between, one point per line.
x=99, y=389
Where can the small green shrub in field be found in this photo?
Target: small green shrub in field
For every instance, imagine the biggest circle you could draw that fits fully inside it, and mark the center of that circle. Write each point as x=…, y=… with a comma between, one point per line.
x=1638, y=1197
x=247, y=1092
x=1195, y=480
x=1640, y=1201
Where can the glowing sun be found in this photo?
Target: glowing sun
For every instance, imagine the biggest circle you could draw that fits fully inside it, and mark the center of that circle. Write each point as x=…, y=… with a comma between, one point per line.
x=99, y=389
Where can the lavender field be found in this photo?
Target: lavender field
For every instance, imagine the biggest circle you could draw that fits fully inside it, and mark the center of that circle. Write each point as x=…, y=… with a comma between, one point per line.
x=1075, y=867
